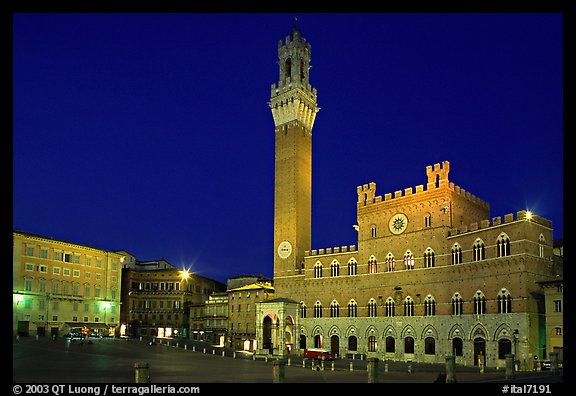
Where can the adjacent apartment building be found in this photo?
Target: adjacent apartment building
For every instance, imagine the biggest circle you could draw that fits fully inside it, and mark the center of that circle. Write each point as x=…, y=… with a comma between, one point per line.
x=60, y=287
x=157, y=297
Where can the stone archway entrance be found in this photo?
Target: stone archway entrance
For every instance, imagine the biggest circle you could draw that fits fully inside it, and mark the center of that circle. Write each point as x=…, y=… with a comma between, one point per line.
x=479, y=351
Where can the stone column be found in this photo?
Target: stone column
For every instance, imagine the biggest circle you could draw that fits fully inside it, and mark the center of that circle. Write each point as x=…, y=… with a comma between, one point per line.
x=450, y=369
x=278, y=369
x=372, y=367
x=142, y=372
x=510, y=369
x=554, y=362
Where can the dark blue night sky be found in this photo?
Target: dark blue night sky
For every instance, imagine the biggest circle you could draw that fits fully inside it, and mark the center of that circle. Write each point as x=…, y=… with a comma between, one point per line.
x=151, y=132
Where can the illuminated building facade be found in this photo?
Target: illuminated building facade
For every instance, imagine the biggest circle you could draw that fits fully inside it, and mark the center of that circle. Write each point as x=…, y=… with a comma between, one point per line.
x=432, y=273
x=157, y=296
x=60, y=287
x=242, y=303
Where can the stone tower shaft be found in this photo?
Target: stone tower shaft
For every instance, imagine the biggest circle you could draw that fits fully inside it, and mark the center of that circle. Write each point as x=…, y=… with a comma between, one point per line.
x=294, y=108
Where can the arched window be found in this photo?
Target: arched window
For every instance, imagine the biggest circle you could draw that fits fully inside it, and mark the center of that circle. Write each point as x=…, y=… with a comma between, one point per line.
x=408, y=345
x=390, y=307
x=318, y=270
x=479, y=303
x=429, y=346
x=372, y=346
x=457, y=346
x=429, y=258
x=408, y=260
x=503, y=246
x=373, y=231
x=541, y=244
x=429, y=306
x=504, y=301
x=427, y=220
x=352, y=267
x=408, y=306
x=302, y=310
x=390, y=263
x=318, y=309
x=334, y=309
x=288, y=69
x=372, y=265
x=352, y=309
x=457, y=304
x=390, y=344
x=372, y=308
x=504, y=348
x=479, y=250
x=335, y=268
x=456, y=254
x=352, y=343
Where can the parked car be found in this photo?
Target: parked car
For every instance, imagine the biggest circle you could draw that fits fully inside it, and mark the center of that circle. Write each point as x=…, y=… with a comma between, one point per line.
x=545, y=365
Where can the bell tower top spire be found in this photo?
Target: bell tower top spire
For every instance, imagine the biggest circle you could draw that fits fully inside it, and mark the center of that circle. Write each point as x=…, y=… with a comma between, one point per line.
x=294, y=82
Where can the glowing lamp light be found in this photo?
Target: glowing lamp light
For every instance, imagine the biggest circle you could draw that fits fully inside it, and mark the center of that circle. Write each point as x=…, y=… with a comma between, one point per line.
x=529, y=215
x=184, y=274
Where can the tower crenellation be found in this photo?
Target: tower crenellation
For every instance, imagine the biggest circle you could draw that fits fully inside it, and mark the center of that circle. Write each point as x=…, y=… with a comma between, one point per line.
x=437, y=178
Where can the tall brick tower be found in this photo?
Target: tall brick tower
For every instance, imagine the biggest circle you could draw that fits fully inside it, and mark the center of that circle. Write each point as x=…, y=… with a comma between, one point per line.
x=293, y=105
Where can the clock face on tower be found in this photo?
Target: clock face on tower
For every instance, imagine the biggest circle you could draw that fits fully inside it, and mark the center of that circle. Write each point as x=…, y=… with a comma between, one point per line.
x=398, y=223
x=284, y=249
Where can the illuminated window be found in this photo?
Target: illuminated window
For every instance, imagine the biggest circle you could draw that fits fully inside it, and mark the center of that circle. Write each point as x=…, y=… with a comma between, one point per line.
x=408, y=260
x=372, y=344
x=372, y=265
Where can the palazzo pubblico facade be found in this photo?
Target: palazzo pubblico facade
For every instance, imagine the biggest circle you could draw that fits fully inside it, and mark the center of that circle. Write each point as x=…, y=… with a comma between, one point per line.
x=431, y=275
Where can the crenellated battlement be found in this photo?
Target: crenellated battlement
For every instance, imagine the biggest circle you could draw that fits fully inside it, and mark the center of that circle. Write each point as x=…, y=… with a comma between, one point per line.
x=437, y=178
x=496, y=221
x=332, y=250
